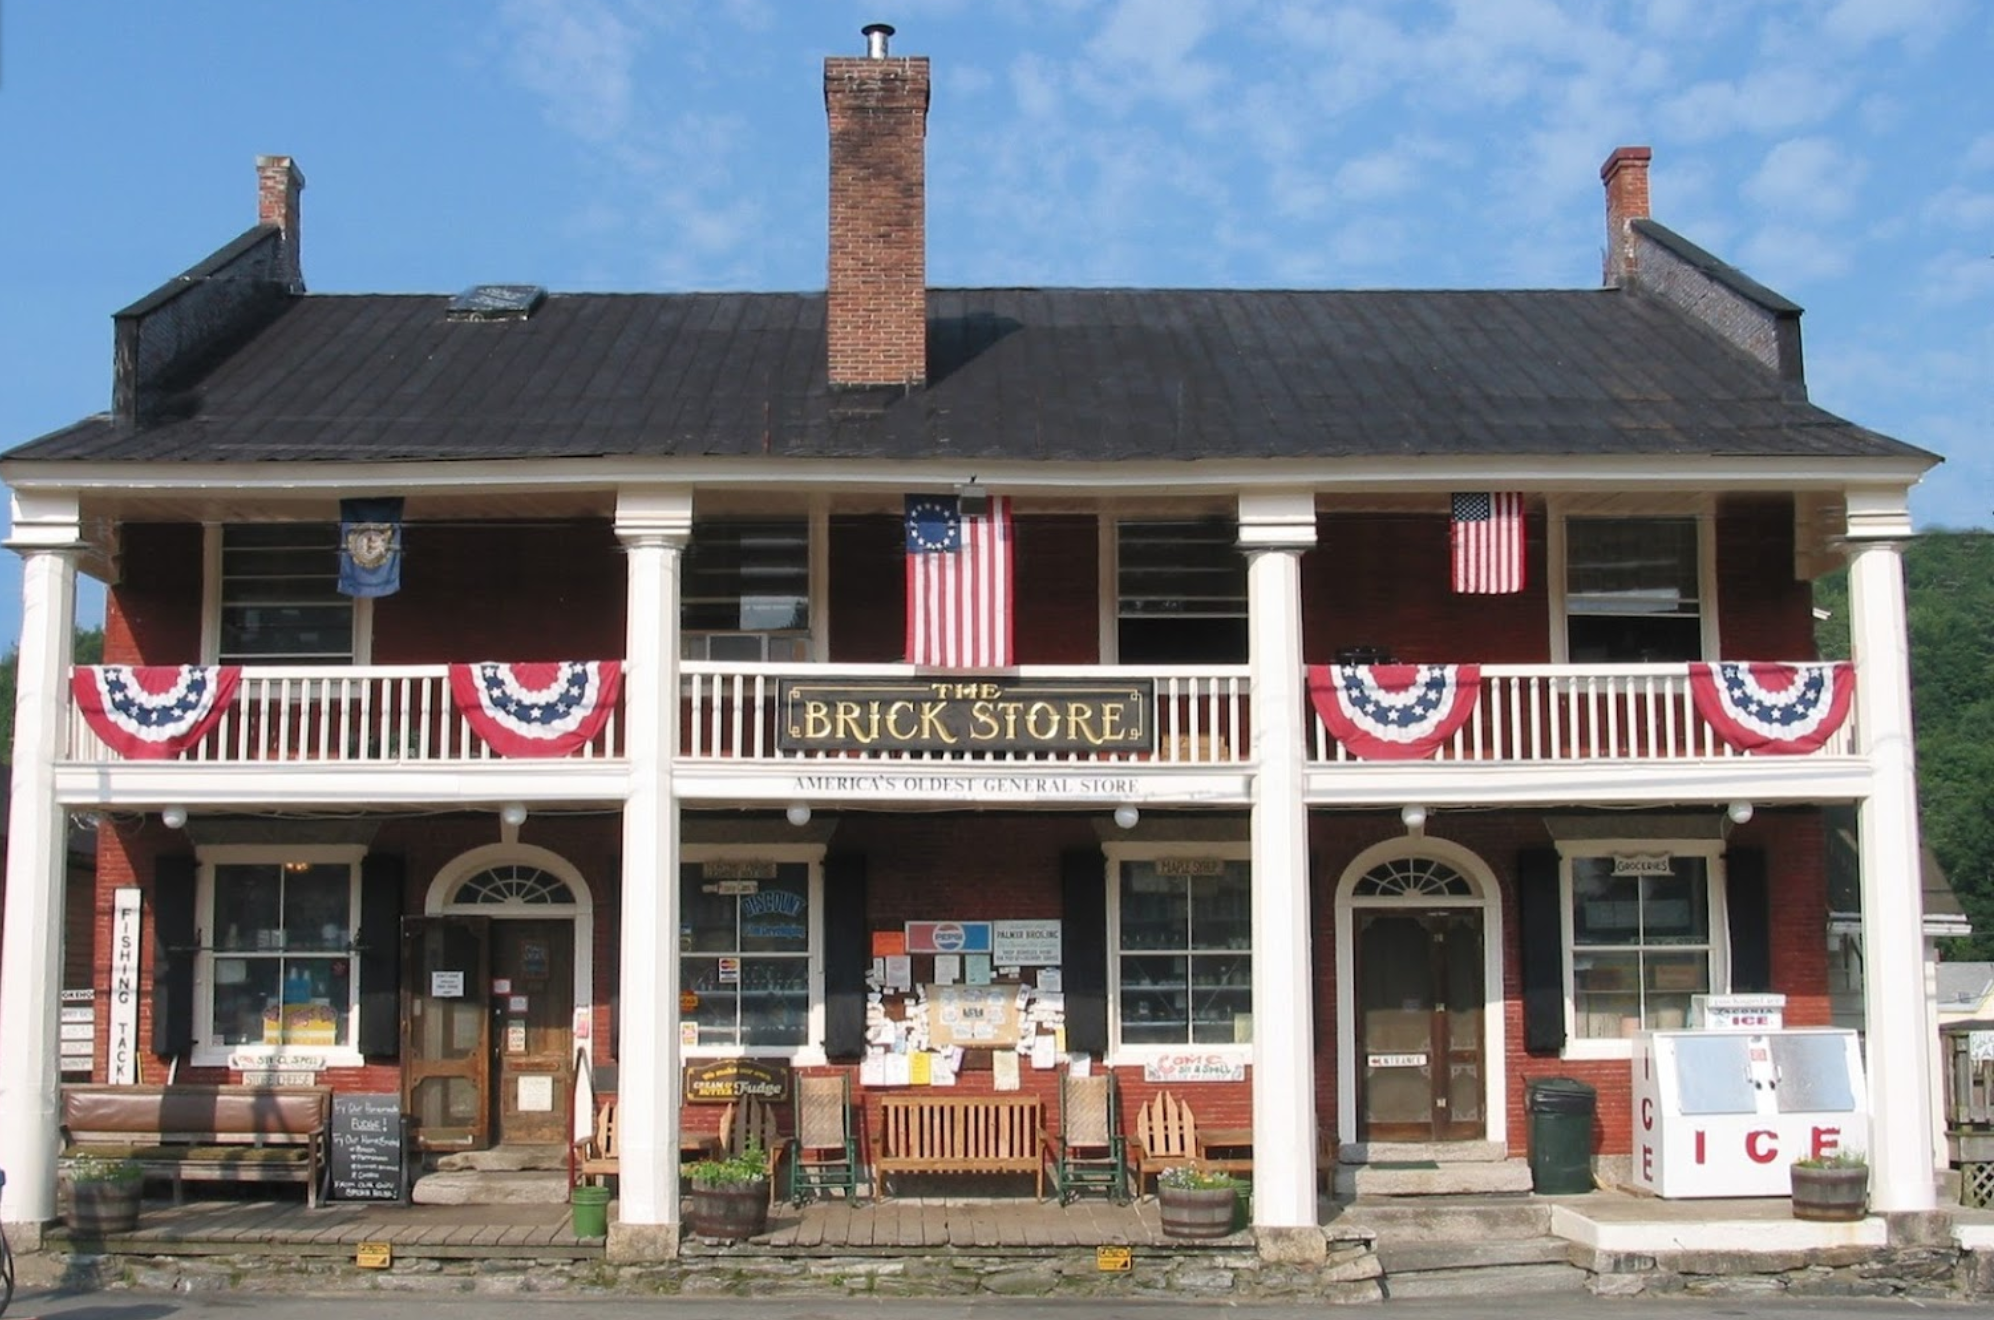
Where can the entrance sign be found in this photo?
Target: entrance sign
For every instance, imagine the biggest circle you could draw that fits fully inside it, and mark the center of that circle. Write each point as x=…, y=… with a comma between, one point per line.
x=985, y=715
x=366, y=1142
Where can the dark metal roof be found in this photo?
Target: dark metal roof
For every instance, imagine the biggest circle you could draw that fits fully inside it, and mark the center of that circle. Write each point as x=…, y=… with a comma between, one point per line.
x=1078, y=374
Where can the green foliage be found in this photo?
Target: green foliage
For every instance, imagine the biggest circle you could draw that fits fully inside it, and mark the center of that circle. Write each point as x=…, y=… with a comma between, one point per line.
x=1841, y=1159
x=89, y=651
x=751, y=1165
x=1185, y=1177
x=104, y=1169
x=1949, y=587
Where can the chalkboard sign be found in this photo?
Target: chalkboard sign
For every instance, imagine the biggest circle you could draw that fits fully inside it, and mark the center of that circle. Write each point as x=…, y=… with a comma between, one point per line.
x=366, y=1148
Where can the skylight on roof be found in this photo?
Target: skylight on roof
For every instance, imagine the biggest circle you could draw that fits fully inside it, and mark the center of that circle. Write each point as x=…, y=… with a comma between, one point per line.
x=496, y=302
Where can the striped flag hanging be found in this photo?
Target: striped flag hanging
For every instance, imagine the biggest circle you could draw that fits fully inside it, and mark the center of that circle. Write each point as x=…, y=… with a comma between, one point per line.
x=958, y=583
x=1488, y=543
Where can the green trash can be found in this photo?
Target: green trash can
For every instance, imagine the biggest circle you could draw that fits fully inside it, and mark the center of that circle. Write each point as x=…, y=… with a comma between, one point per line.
x=590, y=1211
x=1561, y=1111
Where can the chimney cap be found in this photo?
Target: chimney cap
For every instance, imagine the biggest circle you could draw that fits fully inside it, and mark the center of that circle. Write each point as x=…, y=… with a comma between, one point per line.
x=1638, y=156
x=876, y=36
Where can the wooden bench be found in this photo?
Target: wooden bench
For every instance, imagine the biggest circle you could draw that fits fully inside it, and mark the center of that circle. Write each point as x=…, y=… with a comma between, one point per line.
x=960, y=1134
x=238, y=1134
x=598, y=1156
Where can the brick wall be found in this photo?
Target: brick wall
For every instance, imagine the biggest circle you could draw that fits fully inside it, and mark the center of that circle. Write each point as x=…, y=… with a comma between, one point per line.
x=552, y=592
x=1763, y=611
x=153, y=615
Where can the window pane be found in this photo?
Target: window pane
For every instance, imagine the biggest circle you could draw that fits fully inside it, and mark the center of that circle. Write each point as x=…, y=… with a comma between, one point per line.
x=315, y=907
x=1606, y=991
x=280, y=594
x=244, y=988
x=315, y=1002
x=706, y=919
x=1155, y=909
x=1632, y=639
x=1631, y=565
x=1222, y=999
x=1222, y=909
x=1606, y=909
x=747, y=577
x=775, y=1002
x=1180, y=592
x=776, y=918
x=1675, y=908
x=1154, y=1001
x=1671, y=978
x=248, y=901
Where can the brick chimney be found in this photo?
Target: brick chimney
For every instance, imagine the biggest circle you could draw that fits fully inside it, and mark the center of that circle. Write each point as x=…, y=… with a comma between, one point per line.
x=278, y=184
x=1625, y=175
x=877, y=310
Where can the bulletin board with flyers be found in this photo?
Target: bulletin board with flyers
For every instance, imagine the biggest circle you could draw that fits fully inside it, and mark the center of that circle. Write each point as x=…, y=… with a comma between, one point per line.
x=973, y=1016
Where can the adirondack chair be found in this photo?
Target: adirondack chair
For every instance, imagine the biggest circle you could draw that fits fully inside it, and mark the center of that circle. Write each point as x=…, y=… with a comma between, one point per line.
x=1089, y=1151
x=748, y=1122
x=1165, y=1136
x=825, y=1151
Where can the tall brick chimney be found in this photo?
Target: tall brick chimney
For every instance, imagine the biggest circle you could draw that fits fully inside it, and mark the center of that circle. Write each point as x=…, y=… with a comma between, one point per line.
x=1625, y=175
x=878, y=286
x=278, y=184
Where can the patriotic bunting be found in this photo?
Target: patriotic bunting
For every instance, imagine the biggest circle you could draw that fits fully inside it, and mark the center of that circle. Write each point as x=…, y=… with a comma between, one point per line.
x=1773, y=708
x=152, y=712
x=1394, y=712
x=546, y=708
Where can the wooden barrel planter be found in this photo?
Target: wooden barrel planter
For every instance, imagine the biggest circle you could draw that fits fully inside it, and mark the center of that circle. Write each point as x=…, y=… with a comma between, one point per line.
x=97, y=1208
x=1833, y=1195
x=732, y=1213
x=1193, y=1212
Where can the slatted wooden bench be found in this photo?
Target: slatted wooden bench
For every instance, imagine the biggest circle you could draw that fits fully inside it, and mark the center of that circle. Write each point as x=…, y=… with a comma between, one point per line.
x=242, y=1134
x=945, y=1134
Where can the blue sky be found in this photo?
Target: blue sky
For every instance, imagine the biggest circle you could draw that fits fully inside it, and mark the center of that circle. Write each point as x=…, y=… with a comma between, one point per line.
x=1841, y=151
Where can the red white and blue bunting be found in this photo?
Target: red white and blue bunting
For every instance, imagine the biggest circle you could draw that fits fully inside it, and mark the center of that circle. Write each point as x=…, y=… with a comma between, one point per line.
x=152, y=712
x=1765, y=707
x=1394, y=712
x=542, y=708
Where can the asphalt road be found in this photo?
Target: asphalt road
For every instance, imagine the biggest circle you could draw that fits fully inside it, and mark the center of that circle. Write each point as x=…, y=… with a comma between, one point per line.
x=379, y=1306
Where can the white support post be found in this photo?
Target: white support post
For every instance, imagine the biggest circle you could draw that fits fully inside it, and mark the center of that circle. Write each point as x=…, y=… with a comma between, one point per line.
x=1274, y=529
x=654, y=526
x=1898, y=1050
x=46, y=534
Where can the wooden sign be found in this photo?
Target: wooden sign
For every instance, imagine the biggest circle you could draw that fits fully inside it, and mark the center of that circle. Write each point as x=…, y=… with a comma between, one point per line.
x=366, y=1148
x=721, y=1081
x=990, y=715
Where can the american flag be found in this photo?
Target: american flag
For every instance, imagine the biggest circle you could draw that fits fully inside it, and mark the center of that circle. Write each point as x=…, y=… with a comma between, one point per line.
x=958, y=583
x=1488, y=543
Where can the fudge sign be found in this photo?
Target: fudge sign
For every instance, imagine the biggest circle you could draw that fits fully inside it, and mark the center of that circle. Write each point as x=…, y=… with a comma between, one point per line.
x=996, y=715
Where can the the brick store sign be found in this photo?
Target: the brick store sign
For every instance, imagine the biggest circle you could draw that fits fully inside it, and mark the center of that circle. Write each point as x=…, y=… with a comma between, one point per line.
x=968, y=715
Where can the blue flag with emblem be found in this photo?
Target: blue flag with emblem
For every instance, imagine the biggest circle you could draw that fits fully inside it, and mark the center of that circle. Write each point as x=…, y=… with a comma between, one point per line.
x=370, y=546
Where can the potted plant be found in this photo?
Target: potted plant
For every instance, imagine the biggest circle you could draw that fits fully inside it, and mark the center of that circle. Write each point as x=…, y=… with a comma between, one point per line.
x=1195, y=1202
x=104, y=1194
x=1831, y=1188
x=730, y=1195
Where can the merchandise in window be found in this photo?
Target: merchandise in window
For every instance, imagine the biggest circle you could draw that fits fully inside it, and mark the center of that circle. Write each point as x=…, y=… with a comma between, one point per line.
x=1184, y=951
x=744, y=941
x=283, y=962
x=1180, y=593
x=1631, y=590
x=1641, y=943
x=280, y=601
x=745, y=591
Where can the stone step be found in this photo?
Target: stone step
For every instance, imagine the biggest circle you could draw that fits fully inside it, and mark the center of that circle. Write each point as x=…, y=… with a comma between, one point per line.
x=1402, y=1258
x=1491, y=1281
x=1427, y=1178
x=1432, y=1152
x=1445, y=1218
x=468, y=1187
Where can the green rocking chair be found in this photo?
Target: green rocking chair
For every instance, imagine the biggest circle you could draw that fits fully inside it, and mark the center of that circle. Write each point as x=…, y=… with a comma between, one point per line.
x=824, y=1154
x=1090, y=1151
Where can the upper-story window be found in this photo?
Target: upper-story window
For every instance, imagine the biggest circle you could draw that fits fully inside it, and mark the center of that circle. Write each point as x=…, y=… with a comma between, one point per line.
x=280, y=601
x=1633, y=590
x=1180, y=593
x=745, y=590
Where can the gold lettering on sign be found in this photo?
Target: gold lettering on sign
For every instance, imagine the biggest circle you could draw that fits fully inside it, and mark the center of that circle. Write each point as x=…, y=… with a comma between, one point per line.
x=1041, y=715
x=1190, y=866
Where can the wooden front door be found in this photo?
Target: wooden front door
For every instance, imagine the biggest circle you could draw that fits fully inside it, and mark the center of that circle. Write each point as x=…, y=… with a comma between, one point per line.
x=446, y=1032
x=1419, y=1025
x=533, y=1010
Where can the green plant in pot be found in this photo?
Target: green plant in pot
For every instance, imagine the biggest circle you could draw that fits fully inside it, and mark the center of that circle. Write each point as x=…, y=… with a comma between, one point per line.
x=104, y=1193
x=1832, y=1187
x=1197, y=1203
x=730, y=1195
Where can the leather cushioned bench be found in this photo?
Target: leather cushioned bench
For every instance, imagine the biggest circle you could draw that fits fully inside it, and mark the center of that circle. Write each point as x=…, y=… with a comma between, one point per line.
x=241, y=1134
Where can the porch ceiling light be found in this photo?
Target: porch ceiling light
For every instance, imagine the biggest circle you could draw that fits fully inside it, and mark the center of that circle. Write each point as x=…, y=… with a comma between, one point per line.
x=798, y=814
x=1739, y=812
x=173, y=817
x=1414, y=818
x=513, y=814
x=1127, y=815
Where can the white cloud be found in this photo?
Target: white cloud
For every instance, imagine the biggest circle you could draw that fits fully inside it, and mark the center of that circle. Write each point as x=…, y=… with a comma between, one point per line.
x=1961, y=208
x=575, y=55
x=1958, y=277
x=1810, y=176
x=1764, y=101
x=1979, y=153
x=1035, y=84
x=1920, y=25
x=1789, y=257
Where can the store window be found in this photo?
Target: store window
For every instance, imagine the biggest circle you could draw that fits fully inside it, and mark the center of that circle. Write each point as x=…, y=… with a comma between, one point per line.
x=281, y=964
x=1183, y=937
x=279, y=598
x=746, y=936
x=1632, y=590
x=1639, y=939
x=1180, y=593
x=745, y=591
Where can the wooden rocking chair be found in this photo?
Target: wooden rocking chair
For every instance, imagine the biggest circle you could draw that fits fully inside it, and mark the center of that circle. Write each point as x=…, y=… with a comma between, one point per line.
x=825, y=1153
x=1090, y=1150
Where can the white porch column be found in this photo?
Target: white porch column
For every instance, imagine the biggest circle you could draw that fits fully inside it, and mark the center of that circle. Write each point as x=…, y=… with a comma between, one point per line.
x=46, y=534
x=1274, y=529
x=654, y=525
x=1898, y=1049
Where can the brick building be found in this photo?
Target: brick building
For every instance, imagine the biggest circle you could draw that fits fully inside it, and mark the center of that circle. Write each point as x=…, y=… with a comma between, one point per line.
x=1350, y=763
